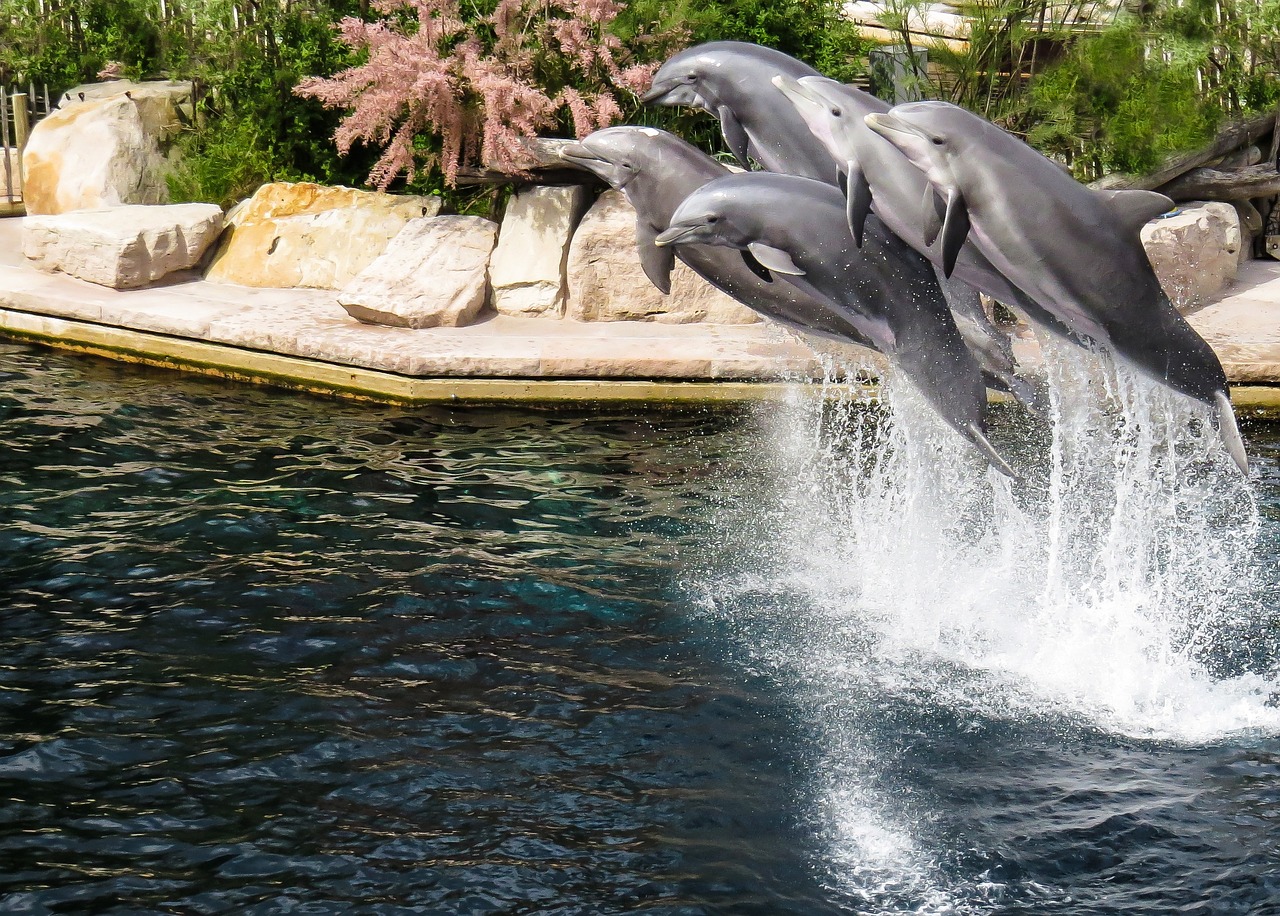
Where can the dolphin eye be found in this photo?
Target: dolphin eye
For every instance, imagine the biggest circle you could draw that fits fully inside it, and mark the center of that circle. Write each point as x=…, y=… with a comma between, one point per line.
x=627, y=165
x=713, y=219
x=836, y=112
x=691, y=78
x=938, y=141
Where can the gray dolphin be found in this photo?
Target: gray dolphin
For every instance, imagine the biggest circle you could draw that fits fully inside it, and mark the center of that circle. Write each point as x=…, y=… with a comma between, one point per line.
x=878, y=176
x=795, y=227
x=731, y=80
x=1075, y=251
x=735, y=81
x=657, y=170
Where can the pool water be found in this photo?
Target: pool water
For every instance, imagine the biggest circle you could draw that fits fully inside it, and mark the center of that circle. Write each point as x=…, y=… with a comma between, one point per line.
x=266, y=653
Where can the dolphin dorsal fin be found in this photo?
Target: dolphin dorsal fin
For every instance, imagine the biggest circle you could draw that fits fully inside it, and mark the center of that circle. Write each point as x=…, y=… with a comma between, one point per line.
x=735, y=135
x=656, y=262
x=1135, y=209
x=775, y=259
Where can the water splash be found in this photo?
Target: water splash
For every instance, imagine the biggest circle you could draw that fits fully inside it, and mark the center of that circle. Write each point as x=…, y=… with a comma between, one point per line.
x=1111, y=589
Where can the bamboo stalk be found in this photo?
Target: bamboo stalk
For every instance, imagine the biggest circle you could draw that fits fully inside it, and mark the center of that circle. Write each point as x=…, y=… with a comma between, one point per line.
x=21, y=132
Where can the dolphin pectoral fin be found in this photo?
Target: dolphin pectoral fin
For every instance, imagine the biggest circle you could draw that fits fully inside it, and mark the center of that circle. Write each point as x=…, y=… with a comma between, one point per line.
x=1134, y=209
x=775, y=259
x=1229, y=432
x=756, y=267
x=975, y=435
x=735, y=135
x=955, y=229
x=656, y=262
x=842, y=181
x=931, y=214
x=857, y=202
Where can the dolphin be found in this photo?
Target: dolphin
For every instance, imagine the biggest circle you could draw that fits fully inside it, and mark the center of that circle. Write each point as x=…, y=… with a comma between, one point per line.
x=877, y=176
x=795, y=228
x=1074, y=250
x=731, y=80
x=657, y=170
x=736, y=82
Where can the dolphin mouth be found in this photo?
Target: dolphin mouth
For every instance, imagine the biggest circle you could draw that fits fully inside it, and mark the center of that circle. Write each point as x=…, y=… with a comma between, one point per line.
x=658, y=90
x=579, y=153
x=886, y=124
x=794, y=90
x=673, y=235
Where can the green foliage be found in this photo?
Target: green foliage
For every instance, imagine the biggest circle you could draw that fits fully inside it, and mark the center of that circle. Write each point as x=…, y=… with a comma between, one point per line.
x=1120, y=101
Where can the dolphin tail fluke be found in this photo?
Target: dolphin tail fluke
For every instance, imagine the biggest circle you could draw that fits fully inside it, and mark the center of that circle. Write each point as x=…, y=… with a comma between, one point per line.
x=1230, y=432
x=974, y=434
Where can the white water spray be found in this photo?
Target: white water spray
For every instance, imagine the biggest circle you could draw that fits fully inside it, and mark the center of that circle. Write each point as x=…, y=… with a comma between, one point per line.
x=1104, y=591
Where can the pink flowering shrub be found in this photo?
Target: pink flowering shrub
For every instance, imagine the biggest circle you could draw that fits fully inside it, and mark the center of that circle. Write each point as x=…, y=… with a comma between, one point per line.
x=479, y=83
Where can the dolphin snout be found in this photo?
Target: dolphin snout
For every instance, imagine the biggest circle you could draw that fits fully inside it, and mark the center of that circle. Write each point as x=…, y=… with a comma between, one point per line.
x=673, y=235
x=577, y=152
x=658, y=90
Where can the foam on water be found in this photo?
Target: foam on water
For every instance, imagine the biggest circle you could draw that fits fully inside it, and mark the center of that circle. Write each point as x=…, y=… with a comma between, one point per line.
x=1111, y=588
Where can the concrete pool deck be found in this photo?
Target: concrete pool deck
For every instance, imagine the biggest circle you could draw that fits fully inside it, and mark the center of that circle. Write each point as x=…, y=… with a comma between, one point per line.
x=302, y=339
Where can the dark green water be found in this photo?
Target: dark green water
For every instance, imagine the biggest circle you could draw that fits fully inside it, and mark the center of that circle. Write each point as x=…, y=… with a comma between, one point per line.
x=264, y=653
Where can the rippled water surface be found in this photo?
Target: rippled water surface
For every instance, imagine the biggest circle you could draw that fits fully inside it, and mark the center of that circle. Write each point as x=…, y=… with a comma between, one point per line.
x=265, y=653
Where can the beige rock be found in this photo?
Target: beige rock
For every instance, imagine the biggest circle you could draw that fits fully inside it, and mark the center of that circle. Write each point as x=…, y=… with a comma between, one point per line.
x=606, y=282
x=165, y=105
x=291, y=235
x=527, y=273
x=122, y=247
x=1196, y=253
x=433, y=274
x=104, y=152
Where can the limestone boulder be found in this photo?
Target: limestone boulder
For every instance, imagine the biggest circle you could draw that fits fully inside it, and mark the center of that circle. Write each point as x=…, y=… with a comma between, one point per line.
x=104, y=151
x=606, y=282
x=122, y=247
x=527, y=273
x=307, y=235
x=1196, y=252
x=433, y=274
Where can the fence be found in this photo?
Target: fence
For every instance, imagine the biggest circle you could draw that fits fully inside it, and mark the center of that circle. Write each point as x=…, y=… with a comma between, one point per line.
x=18, y=110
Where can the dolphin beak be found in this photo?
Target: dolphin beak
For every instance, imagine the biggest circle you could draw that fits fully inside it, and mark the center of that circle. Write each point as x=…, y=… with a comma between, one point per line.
x=793, y=90
x=673, y=235
x=657, y=91
x=578, y=153
x=886, y=125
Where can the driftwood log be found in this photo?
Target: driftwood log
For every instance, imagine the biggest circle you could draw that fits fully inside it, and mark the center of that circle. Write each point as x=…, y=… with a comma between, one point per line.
x=1234, y=136
x=1246, y=183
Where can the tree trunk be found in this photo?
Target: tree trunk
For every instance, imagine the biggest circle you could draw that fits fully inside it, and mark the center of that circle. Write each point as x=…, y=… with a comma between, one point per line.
x=1230, y=184
x=1234, y=135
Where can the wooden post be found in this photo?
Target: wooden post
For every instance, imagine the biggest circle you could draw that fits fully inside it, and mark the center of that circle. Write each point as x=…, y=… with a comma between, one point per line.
x=4, y=142
x=21, y=131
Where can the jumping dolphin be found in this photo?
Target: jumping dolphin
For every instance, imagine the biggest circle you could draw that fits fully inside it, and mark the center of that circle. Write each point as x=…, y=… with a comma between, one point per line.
x=795, y=228
x=1074, y=250
x=876, y=174
x=734, y=81
x=657, y=170
x=731, y=80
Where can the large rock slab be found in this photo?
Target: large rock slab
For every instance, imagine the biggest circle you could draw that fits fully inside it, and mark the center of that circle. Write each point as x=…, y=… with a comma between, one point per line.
x=122, y=247
x=103, y=151
x=1196, y=252
x=433, y=274
x=527, y=273
x=308, y=235
x=606, y=282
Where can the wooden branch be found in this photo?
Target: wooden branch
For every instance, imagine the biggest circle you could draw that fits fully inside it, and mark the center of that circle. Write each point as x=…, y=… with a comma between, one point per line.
x=1236, y=134
x=1225, y=184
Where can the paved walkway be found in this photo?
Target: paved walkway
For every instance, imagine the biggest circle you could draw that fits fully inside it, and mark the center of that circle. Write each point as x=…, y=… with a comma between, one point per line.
x=304, y=339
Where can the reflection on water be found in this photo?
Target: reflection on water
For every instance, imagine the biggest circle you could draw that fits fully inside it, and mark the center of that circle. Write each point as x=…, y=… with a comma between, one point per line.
x=266, y=653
